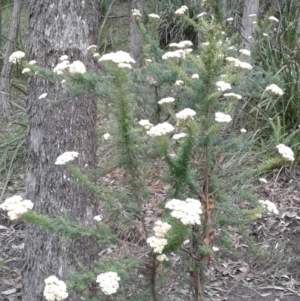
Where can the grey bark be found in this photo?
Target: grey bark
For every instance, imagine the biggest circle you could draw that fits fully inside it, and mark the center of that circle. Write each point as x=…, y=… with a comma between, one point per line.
x=135, y=38
x=247, y=30
x=6, y=68
x=55, y=126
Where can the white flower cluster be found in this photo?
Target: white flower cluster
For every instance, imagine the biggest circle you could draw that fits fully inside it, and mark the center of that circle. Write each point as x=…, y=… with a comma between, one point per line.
x=195, y=76
x=161, y=229
x=145, y=124
x=136, y=13
x=171, y=55
x=274, y=89
x=55, y=289
x=263, y=180
x=188, y=211
x=221, y=117
x=153, y=16
x=181, y=10
x=16, y=206
x=179, y=82
x=272, y=18
x=108, y=282
x=185, y=114
x=66, y=157
x=106, y=136
x=271, y=207
x=162, y=257
x=233, y=96
x=166, y=100
x=157, y=243
x=121, y=58
x=98, y=218
x=223, y=86
x=238, y=63
x=160, y=129
x=201, y=15
x=77, y=67
x=44, y=95
x=25, y=70
x=15, y=57
x=60, y=67
x=182, y=44
x=245, y=52
x=179, y=136
x=286, y=152
x=92, y=48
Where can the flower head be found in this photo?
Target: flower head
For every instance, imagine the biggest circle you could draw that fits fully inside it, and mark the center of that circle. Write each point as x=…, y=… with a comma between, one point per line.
x=66, y=157
x=157, y=244
x=145, y=124
x=274, y=89
x=25, y=70
x=221, y=117
x=162, y=257
x=245, y=52
x=16, y=206
x=33, y=62
x=63, y=57
x=44, y=95
x=185, y=114
x=60, y=67
x=108, y=282
x=92, y=48
x=201, y=15
x=161, y=229
x=98, y=218
x=263, y=180
x=233, y=96
x=117, y=57
x=272, y=18
x=15, y=57
x=229, y=20
x=286, y=152
x=136, y=13
x=271, y=207
x=179, y=82
x=55, y=289
x=181, y=10
x=188, y=211
x=195, y=76
x=166, y=100
x=179, y=136
x=243, y=131
x=154, y=16
x=160, y=129
x=223, y=86
x=106, y=136
x=77, y=67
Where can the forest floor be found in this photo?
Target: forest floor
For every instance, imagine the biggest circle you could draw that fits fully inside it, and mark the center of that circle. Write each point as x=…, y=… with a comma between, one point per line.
x=233, y=276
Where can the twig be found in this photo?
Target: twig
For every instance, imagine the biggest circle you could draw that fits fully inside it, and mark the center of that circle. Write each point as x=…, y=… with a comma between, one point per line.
x=241, y=277
x=105, y=18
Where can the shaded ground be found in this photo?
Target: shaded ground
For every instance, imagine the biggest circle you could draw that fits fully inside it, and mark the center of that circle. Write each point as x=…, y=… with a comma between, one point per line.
x=235, y=276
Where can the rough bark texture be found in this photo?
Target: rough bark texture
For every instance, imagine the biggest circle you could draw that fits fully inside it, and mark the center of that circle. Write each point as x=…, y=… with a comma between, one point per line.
x=247, y=30
x=56, y=125
x=135, y=39
x=6, y=69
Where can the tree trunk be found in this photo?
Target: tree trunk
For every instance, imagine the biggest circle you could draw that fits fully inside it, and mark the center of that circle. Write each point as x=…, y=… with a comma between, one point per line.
x=247, y=30
x=56, y=125
x=6, y=69
x=135, y=39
